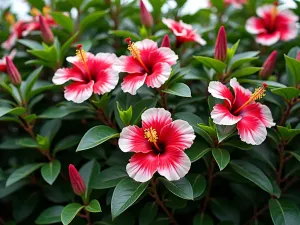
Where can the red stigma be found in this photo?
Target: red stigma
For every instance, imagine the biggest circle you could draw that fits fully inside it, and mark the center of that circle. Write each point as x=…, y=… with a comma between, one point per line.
x=264, y=85
x=128, y=40
x=79, y=46
x=276, y=3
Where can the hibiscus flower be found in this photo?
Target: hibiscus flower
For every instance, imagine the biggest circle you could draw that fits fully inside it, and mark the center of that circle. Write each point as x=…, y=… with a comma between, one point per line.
x=158, y=146
x=183, y=32
x=272, y=25
x=3, y=61
x=251, y=117
x=90, y=74
x=147, y=64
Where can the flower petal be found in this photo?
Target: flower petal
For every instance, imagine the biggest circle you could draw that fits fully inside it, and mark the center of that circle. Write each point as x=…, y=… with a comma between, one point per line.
x=63, y=75
x=262, y=112
x=106, y=80
x=145, y=47
x=268, y=39
x=222, y=116
x=242, y=95
x=255, y=25
x=160, y=74
x=132, y=82
x=163, y=54
x=11, y=41
x=141, y=166
x=156, y=118
x=251, y=130
x=132, y=140
x=78, y=92
x=178, y=134
x=129, y=64
x=219, y=90
x=264, y=10
x=173, y=164
x=104, y=61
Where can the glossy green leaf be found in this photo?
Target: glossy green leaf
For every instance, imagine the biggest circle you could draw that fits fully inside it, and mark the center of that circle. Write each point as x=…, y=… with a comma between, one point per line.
x=125, y=194
x=148, y=213
x=293, y=67
x=69, y=212
x=66, y=46
x=287, y=93
x=30, y=81
x=64, y=21
x=96, y=136
x=198, y=183
x=217, y=65
x=182, y=188
x=125, y=34
x=109, y=177
x=60, y=111
x=225, y=211
x=50, y=215
x=67, y=142
x=225, y=131
x=14, y=111
x=90, y=19
x=286, y=133
x=31, y=44
x=93, y=206
x=245, y=71
x=197, y=151
x=222, y=157
x=50, y=128
x=50, y=171
x=284, y=212
x=179, y=89
x=271, y=84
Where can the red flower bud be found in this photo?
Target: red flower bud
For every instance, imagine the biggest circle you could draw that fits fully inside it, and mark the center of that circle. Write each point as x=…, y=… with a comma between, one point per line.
x=76, y=181
x=47, y=34
x=221, y=45
x=268, y=66
x=166, y=42
x=13, y=72
x=298, y=56
x=146, y=17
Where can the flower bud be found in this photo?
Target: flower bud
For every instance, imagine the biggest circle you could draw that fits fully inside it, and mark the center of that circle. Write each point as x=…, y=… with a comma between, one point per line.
x=166, y=42
x=221, y=45
x=298, y=56
x=268, y=66
x=47, y=34
x=13, y=72
x=76, y=181
x=146, y=17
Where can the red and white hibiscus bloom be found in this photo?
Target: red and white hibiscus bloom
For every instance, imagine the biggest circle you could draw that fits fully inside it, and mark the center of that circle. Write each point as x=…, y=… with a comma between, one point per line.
x=236, y=3
x=90, y=74
x=147, y=64
x=183, y=32
x=3, y=61
x=272, y=25
x=158, y=146
x=250, y=117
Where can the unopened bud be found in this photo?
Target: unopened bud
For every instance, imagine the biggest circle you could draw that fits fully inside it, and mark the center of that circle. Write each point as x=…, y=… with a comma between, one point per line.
x=13, y=72
x=146, y=17
x=47, y=34
x=77, y=182
x=166, y=42
x=221, y=45
x=268, y=66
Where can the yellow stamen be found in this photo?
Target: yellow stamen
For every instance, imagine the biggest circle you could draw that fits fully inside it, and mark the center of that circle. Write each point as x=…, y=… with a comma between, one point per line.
x=152, y=136
x=258, y=94
x=46, y=10
x=35, y=12
x=135, y=52
x=10, y=18
x=274, y=12
x=81, y=55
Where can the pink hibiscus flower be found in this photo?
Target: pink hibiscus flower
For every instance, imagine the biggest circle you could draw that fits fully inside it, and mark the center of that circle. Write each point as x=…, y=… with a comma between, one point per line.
x=3, y=61
x=90, y=74
x=158, y=146
x=183, y=32
x=147, y=64
x=272, y=25
x=241, y=109
x=236, y=3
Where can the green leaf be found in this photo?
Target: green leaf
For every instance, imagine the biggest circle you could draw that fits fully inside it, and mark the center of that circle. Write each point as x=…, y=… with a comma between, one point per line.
x=287, y=93
x=109, y=177
x=65, y=47
x=296, y=154
x=286, y=133
x=50, y=215
x=125, y=194
x=140, y=107
x=271, y=84
x=8, y=110
x=30, y=81
x=65, y=21
x=224, y=131
x=125, y=115
x=61, y=111
x=217, y=65
x=125, y=34
x=6, y=191
x=222, y=157
x=90, y=19
x=31, y=44
x=50, y=128
x=69, y=212
x=293, y=68
x=181, y=188
x=238, y=144
x=197, y=151
x=148, y=213
x=24, y=205
x=284, y=212
x=252, y=173
x=67, y=142
x=202, y=219
x=191, y=118
x=76, y=3
x=245, y=71
x=22, y=172
x=224, y=210
x=198, y=183
x=96, y=136
x=93, y=206
x=242, y=58
x=50, y=171
x=179, y=89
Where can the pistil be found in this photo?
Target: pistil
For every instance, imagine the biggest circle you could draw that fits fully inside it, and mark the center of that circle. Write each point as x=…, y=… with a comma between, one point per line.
x=152, y=137
x=81, y=55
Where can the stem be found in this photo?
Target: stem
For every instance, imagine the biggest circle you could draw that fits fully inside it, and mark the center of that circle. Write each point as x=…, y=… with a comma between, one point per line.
x=164, y=99
x=281, y=162
x=210, y=179
x=258, y=213
x=155, y=195
x=287, y=111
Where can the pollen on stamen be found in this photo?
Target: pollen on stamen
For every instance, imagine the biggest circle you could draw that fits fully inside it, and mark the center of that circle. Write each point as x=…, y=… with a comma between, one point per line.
x=259, y=92
x=80, y=53
x=134, y=51
x=151, y=135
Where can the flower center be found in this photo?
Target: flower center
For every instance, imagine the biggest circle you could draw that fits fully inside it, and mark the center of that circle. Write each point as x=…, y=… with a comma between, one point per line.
x=46, y=10
x=152, y=137
x=135, y=52
x=258, y=94
x=81, y=55
x=10, y=18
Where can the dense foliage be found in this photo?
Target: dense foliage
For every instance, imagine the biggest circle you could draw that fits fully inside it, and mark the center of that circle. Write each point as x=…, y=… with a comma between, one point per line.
x=112, y=113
